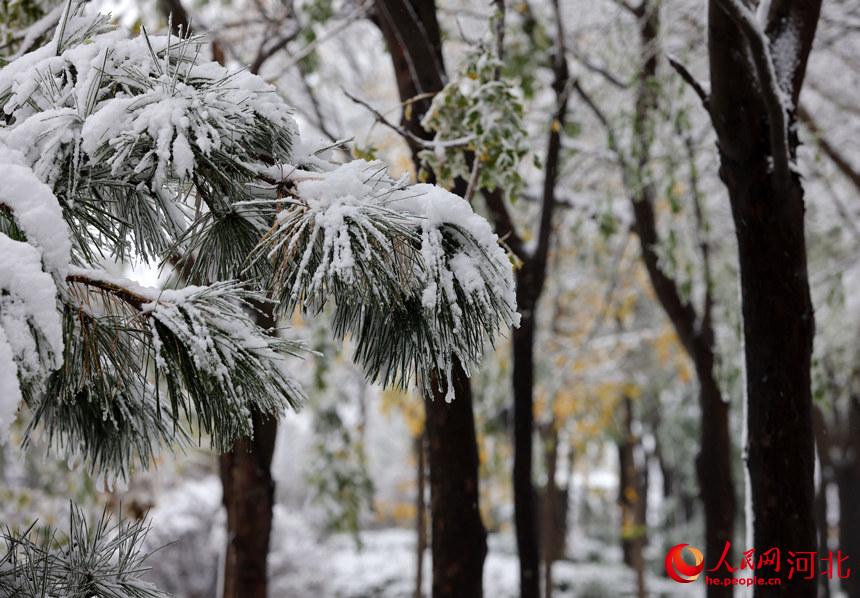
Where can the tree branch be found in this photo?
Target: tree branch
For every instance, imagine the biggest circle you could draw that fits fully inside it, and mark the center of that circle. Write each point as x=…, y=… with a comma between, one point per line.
x=839, y=160
x=636, y=11
x=405, y=133
x=603, y=120
x=687, y=76
x=745, y=20
x=561, y=85
x=135, y=300
x=264, y=53
x=503, y=223
x=599, y=70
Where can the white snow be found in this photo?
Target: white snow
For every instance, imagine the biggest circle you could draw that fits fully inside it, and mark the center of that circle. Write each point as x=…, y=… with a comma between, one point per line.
x=10, y=393
x=37, y=213
x=29, y=302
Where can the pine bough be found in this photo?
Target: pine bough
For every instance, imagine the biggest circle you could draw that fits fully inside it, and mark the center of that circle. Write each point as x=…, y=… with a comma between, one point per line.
x=130, y=148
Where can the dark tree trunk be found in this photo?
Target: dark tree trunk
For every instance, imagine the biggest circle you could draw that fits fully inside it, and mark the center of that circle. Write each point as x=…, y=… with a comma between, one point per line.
x=768, y=209
x=525, y=511
x=848, y=481
x=553, y=509
x=530, y=283
x=420, y=515
x=778, y=332
x=248, y=498
x=459, y=540
x=714, y=467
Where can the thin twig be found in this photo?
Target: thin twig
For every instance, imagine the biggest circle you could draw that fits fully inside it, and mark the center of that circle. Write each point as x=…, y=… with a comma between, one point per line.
x=128, y=296
x=688, y=78
x=380, y=118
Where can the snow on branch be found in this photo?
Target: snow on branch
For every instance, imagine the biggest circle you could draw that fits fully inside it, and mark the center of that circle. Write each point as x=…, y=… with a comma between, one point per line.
x=416, y=277
x=121, y=147
x=105, y=559
x=206, y=357
x=35, y=249
x=121, y=128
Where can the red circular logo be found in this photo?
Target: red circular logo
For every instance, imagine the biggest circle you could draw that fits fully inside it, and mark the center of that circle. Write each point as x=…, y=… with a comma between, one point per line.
x=679, y=569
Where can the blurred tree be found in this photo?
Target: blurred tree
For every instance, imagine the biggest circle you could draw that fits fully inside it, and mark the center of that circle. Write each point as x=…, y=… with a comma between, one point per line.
x=490, y=115
x=694, y=326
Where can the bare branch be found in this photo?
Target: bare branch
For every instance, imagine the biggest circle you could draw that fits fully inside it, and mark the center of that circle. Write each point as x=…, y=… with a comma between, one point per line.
x=561, y=85
x=688, y=77
x=636, y=11
x=348, y=20
x=839, y=160
x=599, y=70
x=602, y=118
x=136, y=300
x=406, y=134
x=264, y=53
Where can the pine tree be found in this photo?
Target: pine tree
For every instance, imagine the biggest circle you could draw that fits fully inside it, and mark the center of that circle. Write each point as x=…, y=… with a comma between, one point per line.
x=132, y=149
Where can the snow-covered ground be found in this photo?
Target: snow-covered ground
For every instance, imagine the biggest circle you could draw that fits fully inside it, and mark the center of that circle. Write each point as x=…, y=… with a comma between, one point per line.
x=189, y=524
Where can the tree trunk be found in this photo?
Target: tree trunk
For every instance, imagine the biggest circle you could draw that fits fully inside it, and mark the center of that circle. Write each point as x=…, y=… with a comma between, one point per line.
x=248, y=498
x=848, y=480
x=553, y=509
x=714, y=469
x=778, y=331
x=757, y=141
x=525, y=512
x=459, y=540
x=632, y=490
x=694, y=331
x=420, y=516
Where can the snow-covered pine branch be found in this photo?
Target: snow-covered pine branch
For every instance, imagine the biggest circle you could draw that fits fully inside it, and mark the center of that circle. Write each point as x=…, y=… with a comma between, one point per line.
x=121, y=128
x=129, y=148
x=115, y=136
x=416, y=277
x=105, y=559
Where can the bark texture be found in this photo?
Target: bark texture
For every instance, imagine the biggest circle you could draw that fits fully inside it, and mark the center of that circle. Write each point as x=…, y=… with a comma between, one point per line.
x=249, y=493
x=757, y=144
x=458, y=539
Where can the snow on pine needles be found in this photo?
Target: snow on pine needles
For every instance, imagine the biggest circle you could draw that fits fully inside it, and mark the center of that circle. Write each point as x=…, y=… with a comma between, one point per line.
x=411, y=270
x=118, y=147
